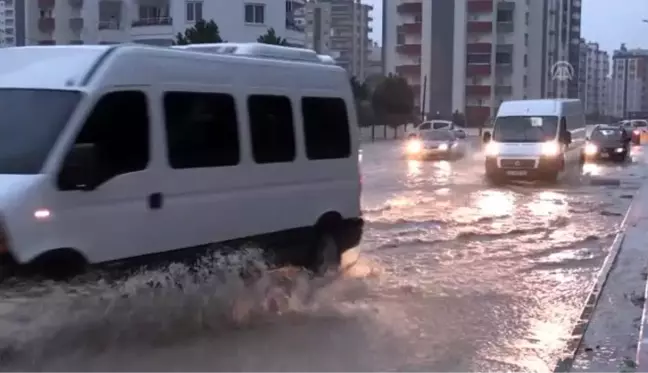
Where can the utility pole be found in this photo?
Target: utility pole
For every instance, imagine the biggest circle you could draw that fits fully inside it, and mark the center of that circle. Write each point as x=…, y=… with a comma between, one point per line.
x=423, y=106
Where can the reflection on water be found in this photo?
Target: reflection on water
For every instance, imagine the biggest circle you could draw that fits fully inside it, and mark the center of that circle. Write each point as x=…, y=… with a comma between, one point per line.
x=592, y=169
x=413, y=168
x=495, y=203
x=548, y=203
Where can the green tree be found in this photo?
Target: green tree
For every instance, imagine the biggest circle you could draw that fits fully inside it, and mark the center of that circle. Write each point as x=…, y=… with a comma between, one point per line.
x=271, y=37
x=201, y=33
x=393, y=101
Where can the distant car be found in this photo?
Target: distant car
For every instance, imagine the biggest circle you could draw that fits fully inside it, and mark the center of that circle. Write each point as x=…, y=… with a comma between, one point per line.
x=441, y=143
x=635, y=128
x=606, y=142
x=438, y=124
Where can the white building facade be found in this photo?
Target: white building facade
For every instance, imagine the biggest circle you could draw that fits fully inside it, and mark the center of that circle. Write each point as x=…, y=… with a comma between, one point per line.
x=629, y=82
x=595, y=68
x=470, y=55
x=151, y=21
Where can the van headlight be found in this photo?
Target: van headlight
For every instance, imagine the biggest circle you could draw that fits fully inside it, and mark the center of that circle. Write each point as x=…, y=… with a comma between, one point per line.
x=443, y=147
x=492, y=149
x=550, y=148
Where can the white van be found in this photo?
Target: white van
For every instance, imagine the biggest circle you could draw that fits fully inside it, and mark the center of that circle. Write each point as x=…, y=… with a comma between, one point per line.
x=534, y=139
x=113, y=152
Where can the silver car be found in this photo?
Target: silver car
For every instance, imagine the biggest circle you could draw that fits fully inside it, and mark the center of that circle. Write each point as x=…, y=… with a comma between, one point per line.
x=442, y=143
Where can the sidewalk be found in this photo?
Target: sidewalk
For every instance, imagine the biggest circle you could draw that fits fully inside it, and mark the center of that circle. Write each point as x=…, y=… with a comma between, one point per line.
x=605, y=339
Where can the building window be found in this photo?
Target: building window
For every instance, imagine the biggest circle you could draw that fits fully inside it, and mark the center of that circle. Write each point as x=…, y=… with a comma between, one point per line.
x=194, y=11
x=255, y=13
x=526, y=40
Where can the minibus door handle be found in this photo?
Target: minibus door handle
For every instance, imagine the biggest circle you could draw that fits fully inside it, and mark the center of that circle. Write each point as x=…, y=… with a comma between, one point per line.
x=155, y=201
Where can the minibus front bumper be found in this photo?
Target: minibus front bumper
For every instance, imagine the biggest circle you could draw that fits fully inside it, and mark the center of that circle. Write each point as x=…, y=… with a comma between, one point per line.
x=511, y=168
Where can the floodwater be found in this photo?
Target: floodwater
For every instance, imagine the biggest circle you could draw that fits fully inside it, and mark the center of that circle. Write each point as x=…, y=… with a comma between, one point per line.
x=452, y=275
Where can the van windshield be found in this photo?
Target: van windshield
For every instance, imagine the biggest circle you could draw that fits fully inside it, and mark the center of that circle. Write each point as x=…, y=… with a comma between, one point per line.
x=525, y=129
x=31, y=121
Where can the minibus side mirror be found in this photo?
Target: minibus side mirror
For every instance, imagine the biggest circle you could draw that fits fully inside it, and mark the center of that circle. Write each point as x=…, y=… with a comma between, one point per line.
x=79, y=171
x=487, y=137
x=567, y=138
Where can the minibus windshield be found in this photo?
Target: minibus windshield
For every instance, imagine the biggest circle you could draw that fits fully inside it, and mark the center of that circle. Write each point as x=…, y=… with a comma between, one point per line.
x=31, y=121
x=525, y=128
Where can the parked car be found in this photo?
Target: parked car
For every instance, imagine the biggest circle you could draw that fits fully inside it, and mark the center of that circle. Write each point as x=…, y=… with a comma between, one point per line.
x=635, y=128
x=431, y=125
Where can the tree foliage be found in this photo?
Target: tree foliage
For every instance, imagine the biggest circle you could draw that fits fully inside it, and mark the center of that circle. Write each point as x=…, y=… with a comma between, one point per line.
x=271, y=37
x=393, y=100
x=201, y=33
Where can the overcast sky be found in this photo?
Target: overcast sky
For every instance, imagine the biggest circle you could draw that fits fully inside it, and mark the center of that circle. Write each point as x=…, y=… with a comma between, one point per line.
x=607, y=22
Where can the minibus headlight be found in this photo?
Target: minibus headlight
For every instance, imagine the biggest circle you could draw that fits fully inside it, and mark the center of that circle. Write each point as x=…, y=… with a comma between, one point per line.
x=414, y=146
x=550, y=148
x=492, y=149
x=443, y=147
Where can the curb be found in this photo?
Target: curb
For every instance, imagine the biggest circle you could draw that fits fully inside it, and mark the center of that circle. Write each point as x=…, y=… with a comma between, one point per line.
x=641, y=359
x=578, y=332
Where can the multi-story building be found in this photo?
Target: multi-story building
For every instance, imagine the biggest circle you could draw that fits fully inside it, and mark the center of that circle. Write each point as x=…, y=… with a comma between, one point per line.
x=629, y=81
x=7, y=23
x=150, y=21
x=350, y=28
x=470, y=55
x=375, y=65
x=319, y=30
x=594, y=67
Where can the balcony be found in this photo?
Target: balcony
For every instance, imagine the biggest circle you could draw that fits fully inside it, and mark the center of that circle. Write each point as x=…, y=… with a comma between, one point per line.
x=477, y=115
x=113, y=24
x=46, y=42
x=480, y=27
x=503, y=90
x=411, y=28
x=478, y=90
x=153, y=22
x=292, y=25
x=478, y=70
x=46, y=4
x=506, y=6
x=408, y=70
x=76, y=42
x=480, y=6
x=505, y=27
x=477, y=48
x=409, y=49
x=76, y=4
x=76, y=23
x=410, y=8
x=46, y=24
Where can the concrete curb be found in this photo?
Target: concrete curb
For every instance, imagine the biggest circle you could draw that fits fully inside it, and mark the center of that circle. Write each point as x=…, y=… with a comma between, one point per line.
x=642, y=345
x=576, y=338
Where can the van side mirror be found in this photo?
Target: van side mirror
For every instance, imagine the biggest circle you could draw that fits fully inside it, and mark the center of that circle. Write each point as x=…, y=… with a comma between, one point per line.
x=79, y=171
x=487, y=137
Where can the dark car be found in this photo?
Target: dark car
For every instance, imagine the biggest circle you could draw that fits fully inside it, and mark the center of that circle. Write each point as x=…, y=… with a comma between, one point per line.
x=607, y=142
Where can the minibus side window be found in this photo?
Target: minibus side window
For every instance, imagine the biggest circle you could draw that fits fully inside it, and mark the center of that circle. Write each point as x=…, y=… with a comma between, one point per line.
x=271, y=128
x=326, y=128
x=118, y=127
x=202, y=130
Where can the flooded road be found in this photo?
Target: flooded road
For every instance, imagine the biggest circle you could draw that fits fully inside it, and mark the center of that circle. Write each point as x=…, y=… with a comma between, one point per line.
x=452, y=275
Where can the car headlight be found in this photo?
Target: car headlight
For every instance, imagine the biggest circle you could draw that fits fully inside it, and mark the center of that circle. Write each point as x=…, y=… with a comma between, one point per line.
x=591, y=149
x=492, y=149
x=443, y=147
x=550, y=148
x=414, y=146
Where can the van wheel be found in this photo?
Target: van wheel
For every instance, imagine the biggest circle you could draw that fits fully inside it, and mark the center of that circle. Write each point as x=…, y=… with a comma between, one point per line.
x=551, y=177
x=59, y=264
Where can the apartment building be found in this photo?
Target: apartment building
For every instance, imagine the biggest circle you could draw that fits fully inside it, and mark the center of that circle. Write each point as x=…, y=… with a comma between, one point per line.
x=594, y=67
x=154, y=22
x=349, y=35
x=629, y=81
x=7, y=23
x=470, y=55
x=317, y=16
